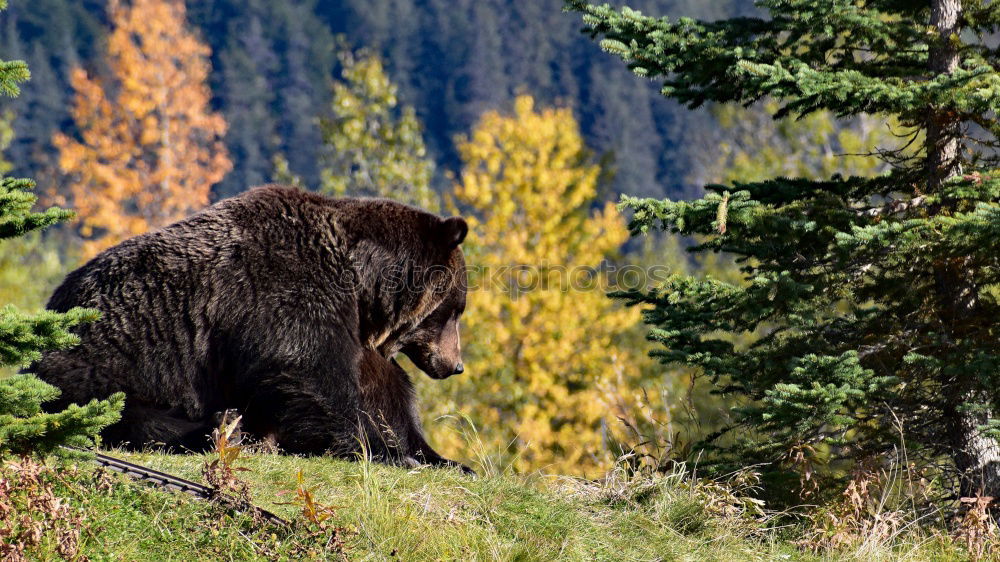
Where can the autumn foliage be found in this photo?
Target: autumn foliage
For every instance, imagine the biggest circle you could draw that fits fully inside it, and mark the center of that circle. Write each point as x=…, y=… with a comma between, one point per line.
x=150, y=149
x=373, y=145
x=541, y=356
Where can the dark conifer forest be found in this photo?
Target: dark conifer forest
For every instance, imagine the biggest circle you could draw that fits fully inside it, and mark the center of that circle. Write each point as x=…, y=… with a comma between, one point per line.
x=273, y=63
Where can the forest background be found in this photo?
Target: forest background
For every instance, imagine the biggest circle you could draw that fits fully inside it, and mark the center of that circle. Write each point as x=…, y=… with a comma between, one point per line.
x=302, y=91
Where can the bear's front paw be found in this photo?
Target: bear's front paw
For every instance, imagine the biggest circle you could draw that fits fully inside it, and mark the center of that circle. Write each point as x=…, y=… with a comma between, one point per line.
x=410, y=462
x=465, y=470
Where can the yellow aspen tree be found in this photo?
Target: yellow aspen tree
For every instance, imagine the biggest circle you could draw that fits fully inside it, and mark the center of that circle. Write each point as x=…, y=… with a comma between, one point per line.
x=542, y=363
x=374, y=146
x=149, y=149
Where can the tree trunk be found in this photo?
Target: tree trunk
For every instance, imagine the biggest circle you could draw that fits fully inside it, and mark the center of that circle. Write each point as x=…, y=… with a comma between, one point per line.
x=943, y=129
x=976, y=456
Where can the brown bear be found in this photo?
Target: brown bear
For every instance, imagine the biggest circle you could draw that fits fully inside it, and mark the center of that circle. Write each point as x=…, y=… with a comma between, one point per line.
x=284, y=305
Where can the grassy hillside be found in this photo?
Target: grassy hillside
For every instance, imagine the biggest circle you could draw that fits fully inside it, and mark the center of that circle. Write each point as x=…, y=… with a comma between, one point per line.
x=388, y=513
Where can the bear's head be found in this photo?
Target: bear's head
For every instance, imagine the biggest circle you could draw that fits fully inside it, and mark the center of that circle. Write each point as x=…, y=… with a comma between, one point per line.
x=411, y=280
x=434, y=345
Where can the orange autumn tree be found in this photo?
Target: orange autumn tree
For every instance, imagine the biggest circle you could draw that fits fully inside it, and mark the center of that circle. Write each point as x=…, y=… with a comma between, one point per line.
x=149, y=148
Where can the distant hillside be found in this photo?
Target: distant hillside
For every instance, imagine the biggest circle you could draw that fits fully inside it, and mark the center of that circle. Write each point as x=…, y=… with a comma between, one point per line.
x=453, y=59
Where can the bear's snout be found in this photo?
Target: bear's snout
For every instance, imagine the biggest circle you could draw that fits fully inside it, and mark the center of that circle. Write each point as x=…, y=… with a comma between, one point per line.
x=459, y=369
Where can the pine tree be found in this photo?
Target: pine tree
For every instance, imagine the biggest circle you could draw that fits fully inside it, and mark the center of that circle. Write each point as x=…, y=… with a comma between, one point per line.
x=373, y=146
x=876, y=296
x=30, y=266
x=272, y=72
x=149, y=155
x=24, y=428
x=247, y=65
x=52, y=36
x=302, y=89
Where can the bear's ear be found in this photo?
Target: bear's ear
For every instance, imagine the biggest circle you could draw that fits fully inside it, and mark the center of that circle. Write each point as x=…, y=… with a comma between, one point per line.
x=455, y=229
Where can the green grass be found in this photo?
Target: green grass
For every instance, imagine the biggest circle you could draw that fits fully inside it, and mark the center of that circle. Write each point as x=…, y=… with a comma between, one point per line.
x=431, y=514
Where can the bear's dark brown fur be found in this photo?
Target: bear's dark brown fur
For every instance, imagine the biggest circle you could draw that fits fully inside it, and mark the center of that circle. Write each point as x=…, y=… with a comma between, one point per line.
x=388, y=396
x=282, y=304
